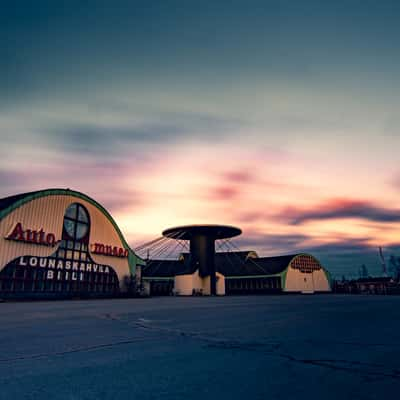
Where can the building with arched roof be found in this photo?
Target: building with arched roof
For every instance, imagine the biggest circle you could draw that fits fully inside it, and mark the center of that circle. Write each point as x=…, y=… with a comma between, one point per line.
x=62, y=243
x=239, y=272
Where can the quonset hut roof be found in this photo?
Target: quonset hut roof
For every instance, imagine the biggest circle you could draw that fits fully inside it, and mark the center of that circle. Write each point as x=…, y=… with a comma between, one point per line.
x=274, y=265
x=226, y=263
x=162, y=268
x=9, y=204
x=9, y=201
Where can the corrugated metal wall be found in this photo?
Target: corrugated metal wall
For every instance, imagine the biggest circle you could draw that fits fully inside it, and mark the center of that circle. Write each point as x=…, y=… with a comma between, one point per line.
x=47, y=213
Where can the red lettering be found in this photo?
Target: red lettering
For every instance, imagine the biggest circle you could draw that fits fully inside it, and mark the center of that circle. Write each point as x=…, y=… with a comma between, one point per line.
x=41, y=236
x=50, y=239
x=108, y=250
x=98, y=248
x=31, y=236
x=17, y=233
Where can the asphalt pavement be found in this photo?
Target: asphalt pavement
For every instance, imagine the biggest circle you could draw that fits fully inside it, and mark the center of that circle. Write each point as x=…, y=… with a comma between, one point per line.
x=245, y=347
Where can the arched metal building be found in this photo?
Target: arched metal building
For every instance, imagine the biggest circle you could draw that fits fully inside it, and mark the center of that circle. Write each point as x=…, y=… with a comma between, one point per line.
x=61, y=243
x=239, y=272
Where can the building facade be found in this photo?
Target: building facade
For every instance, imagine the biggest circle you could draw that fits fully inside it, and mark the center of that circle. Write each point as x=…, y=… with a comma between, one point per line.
x=61, y=243
x=241, y=272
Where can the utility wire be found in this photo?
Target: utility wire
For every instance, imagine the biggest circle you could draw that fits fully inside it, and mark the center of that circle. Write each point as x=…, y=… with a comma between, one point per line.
x=164, y=248
x=157, y=246
x=225, y=254
x=227, y=241
x=153, y=244
x=148, y=244
x=156, y=268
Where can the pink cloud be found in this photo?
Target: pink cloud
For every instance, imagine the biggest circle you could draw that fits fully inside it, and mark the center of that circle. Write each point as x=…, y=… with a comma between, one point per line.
x=239, y=176
x=225, y=193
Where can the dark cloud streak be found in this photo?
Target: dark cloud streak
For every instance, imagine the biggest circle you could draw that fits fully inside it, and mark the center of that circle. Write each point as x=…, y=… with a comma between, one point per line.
x=340, y=257
x=272, y=242
x=337, y=209
x=95, y=139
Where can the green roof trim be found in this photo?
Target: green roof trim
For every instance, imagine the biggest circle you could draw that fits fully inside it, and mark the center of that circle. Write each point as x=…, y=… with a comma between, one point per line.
x=283, y=277
x=133, y=259
x=329, y=277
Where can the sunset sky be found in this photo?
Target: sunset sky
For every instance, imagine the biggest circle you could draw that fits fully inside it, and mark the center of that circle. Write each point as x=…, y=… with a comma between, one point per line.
x=280, y=117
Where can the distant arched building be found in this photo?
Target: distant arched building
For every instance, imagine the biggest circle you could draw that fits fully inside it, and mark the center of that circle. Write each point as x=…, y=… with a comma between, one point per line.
x=62, y=243
x=239, y=272
x=298, y=273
